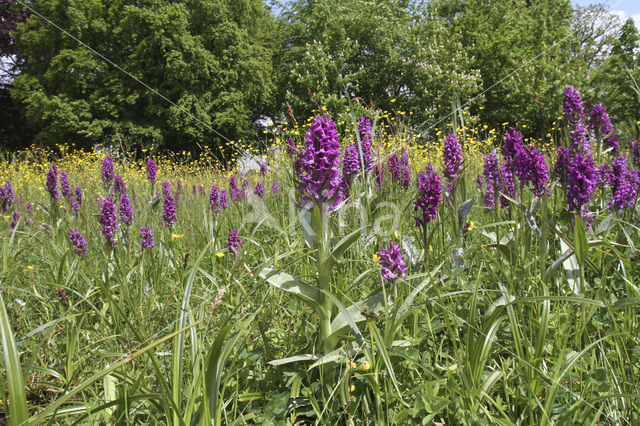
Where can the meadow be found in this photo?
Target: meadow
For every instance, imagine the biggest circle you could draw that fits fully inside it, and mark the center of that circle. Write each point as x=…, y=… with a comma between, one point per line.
x=354, y=272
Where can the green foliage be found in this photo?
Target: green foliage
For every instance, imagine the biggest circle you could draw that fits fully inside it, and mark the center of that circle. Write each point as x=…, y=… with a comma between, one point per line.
x=520, y=49
x=617, y=81
x=210, y=57
x=372, y=51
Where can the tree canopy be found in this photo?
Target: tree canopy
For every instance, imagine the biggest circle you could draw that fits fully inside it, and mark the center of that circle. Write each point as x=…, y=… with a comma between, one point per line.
x=211, y=58
x=225, y=64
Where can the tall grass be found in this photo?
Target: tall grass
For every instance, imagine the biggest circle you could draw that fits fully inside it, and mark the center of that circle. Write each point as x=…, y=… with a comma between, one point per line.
x=527, y=317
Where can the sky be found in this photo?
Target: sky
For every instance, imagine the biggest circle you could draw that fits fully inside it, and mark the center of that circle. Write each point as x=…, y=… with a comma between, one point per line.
x=623, y=8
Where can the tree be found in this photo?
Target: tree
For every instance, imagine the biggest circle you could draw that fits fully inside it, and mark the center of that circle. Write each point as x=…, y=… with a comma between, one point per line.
x=595, y=29
x=617, y=81
x=522, y=51
x=375, y=50
x=212, y=58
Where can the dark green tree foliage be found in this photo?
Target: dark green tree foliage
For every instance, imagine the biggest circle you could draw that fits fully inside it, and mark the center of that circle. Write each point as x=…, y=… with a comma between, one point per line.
x=617, y=81
x=504, y=36
x=210, y=57
x=372, y=50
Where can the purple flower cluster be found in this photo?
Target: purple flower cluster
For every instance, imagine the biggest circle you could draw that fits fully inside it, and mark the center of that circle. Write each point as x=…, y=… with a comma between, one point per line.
x=602, y=174
x=263, y=169
x=364, y=130
x=350, y=166
x=126, y=212
x=624, y=184
x=118, y=185
x=512, y=144
x=214, y=199
x=152, y=171
x=234, y=242
x=7, y=196
x=224, y=199
x=392, y=263
x=169, y=212
x=78, y=192
x=600, y=123
x=509, y=184
x=572, y=106
x=107, y=171
x=429, y=195
x=531, y=169
x=497, y=179
x=275, y=188
x=65, y=187
x=236, y=192
x=78, y=243
x=259, y=190
x=317, y=166
x=579, y=139
x=109, y=221
x=15, y=217
x=452, y=158
x=146, y=238
x=52, y=182
x=400, y=169
x=582, y=180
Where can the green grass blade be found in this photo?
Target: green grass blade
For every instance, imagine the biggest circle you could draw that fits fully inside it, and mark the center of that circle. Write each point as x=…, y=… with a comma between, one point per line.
x=52, y=408
x=18, y=411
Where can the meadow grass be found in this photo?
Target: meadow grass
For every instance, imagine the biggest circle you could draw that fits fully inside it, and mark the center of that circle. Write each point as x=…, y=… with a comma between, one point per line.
x=516, y=315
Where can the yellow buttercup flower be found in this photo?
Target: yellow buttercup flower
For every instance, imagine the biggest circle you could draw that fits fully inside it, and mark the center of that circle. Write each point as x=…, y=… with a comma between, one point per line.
x=376, y=258
x=177, y=236
x=366, y=365
x=220, y=254
x=472, y=225
x=396, y=235
x=351, y=365
x=352, y=388
x=30, y=268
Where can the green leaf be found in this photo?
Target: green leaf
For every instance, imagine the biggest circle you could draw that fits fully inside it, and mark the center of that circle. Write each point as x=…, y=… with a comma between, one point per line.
x=340, y=354
x=295, y=358
x=18, y=412
x=53, y=407
x=580, y=244
x=571, y=268
x=353, y=314
x=291, y=284
x=181, y=321
x=342, y=246
x=626, y=302
x=219, y=352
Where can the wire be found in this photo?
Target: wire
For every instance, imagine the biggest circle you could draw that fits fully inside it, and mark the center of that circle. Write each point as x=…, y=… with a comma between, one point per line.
x=123, y=70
